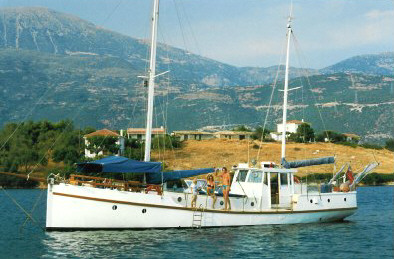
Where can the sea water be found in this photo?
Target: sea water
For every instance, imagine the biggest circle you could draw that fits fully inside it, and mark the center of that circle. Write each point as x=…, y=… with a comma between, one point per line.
x=366, y=234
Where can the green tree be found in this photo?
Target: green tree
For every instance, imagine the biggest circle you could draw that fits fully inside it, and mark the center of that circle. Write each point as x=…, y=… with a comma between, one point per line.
x=241, y=128
x=23, y=154
x=69, y=148
x=105, y=144
x=165, y=141
x=260, y=133
x=390, y=144
x=305, y=133
x=331, y=135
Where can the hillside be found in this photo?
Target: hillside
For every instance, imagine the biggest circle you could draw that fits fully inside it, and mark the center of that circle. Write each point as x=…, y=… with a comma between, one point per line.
x=57, y=66
x=376, y=64
x=223, y=152
x=45, y=30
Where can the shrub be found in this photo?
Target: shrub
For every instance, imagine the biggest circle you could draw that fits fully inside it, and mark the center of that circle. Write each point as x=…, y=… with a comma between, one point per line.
x=390, y=144
x=378, y=179
x=349, y=144
x=371, y=146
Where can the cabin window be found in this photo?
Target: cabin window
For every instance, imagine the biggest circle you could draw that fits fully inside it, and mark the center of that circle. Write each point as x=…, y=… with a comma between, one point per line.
x=265, y=175
x=283, y=179
x=255, y=177
x=242, y=175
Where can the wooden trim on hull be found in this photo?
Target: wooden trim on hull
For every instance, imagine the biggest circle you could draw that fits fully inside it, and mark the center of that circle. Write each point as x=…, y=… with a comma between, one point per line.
x=194, y=209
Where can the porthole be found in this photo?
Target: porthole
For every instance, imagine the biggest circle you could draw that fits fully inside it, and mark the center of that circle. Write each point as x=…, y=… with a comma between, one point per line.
x=143, y=210
x=344, y=199
x=252, y=204
x=311, y=201
x=221, y=202
x=179, y=199
x=328, y=200
x=114, y=207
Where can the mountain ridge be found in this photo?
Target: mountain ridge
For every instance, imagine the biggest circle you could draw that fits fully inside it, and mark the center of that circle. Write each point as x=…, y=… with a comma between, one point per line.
x=92, y=78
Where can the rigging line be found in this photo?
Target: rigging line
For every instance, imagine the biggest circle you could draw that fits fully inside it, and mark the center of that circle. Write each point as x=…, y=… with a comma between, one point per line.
x=270, y=102
x=180, y=25
x=59, y=136
x=191, y=30
x=22, y=209
x=51, y=146
x=167, y=47
x=112, y=12
x=313, y=95
x=24, y=119
x=33, y=208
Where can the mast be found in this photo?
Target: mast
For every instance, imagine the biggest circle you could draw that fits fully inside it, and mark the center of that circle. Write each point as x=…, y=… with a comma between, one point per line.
x=286, y=89
x=151, y=80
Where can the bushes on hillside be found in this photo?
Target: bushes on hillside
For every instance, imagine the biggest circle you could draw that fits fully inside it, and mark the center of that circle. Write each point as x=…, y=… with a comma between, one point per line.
x=331, y=136
x=390, y=144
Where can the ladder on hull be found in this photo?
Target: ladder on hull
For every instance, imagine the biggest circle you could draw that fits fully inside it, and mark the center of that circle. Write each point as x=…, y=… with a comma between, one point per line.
x=197, y=217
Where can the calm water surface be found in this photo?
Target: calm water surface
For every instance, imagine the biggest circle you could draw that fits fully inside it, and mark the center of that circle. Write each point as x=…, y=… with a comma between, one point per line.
x=367, y=234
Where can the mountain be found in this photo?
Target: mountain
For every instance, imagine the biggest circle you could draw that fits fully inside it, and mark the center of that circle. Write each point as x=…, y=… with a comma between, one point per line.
x=56, y=66
x=45, y=30
x=374, y=64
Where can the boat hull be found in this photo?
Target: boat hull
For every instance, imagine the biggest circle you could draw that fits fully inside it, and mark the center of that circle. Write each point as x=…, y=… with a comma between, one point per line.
x=74, y=207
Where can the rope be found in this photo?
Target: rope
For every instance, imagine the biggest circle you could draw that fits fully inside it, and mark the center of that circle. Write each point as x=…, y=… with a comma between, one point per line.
x=299, y=55
x=22, y=209
x=34, y=207
x=270, y=102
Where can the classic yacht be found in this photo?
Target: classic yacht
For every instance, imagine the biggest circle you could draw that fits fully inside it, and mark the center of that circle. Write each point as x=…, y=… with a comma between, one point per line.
x=260, y=194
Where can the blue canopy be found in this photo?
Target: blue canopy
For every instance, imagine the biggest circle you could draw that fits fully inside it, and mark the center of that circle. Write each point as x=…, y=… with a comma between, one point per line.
x=176, y=175
x=309, y=162
x=118, y=164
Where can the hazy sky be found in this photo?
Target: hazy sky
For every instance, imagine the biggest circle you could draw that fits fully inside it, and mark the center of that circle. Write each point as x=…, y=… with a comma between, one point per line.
x=247, y=32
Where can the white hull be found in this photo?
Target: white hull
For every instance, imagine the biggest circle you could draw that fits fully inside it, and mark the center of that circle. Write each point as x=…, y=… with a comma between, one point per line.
x=78, y=207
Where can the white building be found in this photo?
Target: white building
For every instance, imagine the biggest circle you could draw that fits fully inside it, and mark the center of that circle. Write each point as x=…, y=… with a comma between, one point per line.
x=139, y=133
x=240, y=135
x=194, y=135
x=291, y=127
x=105, y=133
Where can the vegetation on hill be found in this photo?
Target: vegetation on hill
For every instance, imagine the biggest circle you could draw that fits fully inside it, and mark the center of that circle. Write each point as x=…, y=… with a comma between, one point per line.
x=61, y=67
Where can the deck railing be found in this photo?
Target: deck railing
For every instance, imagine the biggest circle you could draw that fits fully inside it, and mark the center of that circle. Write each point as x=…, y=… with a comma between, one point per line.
x=100, y=182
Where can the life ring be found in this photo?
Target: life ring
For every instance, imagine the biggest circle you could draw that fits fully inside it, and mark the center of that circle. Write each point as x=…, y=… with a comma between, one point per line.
x=296, y=179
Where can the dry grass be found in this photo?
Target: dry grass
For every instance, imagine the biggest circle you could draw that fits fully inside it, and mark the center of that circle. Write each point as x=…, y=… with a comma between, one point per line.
x=223, y=152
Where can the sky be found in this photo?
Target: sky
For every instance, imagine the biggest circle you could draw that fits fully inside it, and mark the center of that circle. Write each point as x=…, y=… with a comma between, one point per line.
x=247, y=32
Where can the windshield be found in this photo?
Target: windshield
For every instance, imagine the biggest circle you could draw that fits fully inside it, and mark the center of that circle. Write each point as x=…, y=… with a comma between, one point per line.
x=255, y=177
x=241, y=177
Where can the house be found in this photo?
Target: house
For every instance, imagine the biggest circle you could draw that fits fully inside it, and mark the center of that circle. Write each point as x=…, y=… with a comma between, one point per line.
x=233, y=135
x=139, y=133
x=350, y=137
x=104, y=133
x=291, y=127
x=195, y=135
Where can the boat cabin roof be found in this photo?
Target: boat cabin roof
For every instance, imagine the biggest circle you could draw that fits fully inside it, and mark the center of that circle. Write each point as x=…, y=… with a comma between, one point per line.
x=269, y=170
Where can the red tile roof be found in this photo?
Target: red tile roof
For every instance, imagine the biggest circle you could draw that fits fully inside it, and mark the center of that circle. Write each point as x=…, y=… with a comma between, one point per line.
x=143, y=131
x=295, y=122
x=102, y=132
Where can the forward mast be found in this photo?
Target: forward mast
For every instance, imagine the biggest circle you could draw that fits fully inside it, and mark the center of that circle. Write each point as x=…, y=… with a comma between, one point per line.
x=151, y=80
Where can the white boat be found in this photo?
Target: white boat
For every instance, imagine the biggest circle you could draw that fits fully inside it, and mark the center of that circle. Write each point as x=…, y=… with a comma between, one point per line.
x=260, y=195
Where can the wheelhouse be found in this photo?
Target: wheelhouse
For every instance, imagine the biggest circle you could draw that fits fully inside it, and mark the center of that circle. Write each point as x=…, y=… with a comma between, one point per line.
x=269, y=186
